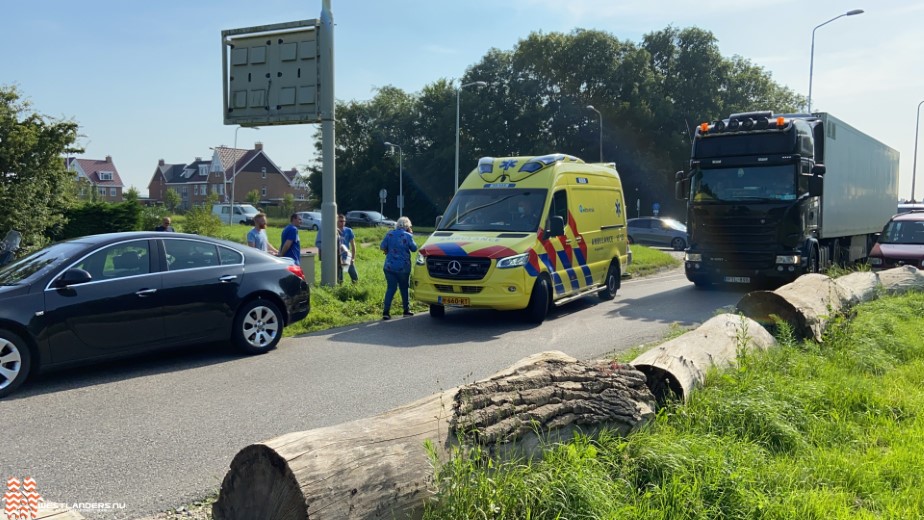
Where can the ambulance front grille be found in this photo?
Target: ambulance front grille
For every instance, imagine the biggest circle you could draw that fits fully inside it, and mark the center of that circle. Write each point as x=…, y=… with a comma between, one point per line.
x=458, y=267
x=464, y=289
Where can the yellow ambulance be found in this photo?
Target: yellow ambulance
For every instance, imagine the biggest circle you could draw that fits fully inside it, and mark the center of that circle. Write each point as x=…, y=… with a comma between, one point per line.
x=526, y=233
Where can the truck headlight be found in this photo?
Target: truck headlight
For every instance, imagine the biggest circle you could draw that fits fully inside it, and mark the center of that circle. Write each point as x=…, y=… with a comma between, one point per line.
x=788, y=259
x=420, y=260
x=875, y=261
x=693, y=257
x=513, y=261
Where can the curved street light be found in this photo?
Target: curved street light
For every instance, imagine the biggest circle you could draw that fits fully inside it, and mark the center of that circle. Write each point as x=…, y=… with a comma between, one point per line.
x=400, y=177
x=234, y=174
x=455, y=187
x=591, y=107
x=914, y=167
x=812, y=56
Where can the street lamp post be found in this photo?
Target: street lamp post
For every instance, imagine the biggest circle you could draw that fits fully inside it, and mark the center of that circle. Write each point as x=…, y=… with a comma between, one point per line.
x=234, y=172
x=914, y=162
x=455, y=187
x=591, y=107
x=400, y=177
x=812, y=56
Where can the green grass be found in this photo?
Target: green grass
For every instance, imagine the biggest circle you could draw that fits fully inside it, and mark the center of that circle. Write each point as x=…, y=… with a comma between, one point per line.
x=802, y=431
x=646, y=260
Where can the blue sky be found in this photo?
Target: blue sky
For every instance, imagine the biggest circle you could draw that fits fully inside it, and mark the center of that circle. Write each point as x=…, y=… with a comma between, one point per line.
x=143, y=79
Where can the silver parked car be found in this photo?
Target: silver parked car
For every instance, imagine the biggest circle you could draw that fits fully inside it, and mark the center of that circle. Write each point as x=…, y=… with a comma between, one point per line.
x=658, y=231
x=310, y=220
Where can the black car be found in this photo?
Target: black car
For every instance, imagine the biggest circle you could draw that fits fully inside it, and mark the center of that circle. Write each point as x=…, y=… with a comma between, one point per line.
x=368, y=219
x=105, y=296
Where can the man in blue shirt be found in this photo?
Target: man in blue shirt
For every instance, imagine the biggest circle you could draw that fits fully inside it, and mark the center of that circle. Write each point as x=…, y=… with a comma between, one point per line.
x=348, y=239
x=291, y=246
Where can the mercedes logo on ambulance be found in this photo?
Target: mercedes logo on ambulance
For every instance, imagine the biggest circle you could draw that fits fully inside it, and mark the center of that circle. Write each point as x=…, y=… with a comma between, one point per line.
x=455, y=267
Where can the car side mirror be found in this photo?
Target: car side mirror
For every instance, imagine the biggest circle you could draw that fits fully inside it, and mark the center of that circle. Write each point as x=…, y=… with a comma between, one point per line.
x=72, y=276
x=556, y=226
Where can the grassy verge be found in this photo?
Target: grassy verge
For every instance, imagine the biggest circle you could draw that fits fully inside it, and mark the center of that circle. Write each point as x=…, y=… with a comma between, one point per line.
x=646, y=260
x=802, y=431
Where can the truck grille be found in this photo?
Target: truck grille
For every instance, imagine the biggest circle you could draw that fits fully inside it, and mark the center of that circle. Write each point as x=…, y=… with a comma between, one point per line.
x=737, y=230
x=739, y=260
x=458, y=267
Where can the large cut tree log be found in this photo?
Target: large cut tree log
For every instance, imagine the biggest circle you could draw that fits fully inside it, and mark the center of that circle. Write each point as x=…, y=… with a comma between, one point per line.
x=679, y=365
x=902, y=279
x=861, y=286
x=378, y=467
x=807, y=304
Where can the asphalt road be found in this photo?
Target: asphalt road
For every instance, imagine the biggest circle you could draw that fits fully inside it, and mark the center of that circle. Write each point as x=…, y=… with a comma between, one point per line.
x=160, y=431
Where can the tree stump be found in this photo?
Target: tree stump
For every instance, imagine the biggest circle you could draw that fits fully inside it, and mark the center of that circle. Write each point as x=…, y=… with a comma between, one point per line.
x=378, y=467
x=807, y=304
x=680, y=365
x=900, y=280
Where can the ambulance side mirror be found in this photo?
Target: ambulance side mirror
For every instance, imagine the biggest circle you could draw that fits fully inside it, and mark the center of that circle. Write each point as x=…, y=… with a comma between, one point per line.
x=556, y=226
x=439, y=218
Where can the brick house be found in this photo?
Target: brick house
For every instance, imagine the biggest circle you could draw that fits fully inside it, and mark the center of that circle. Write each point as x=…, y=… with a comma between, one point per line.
x=102, y=176
x=194, y=181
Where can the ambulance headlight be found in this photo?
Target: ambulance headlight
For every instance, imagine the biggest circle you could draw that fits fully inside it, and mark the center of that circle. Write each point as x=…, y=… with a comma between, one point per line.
x=421, y=259
x=788, y=259
x=513, y=261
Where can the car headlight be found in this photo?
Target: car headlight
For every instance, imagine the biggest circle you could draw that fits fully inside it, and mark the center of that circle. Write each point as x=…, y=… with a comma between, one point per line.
x=875, y=261
x=788, y=259
x=513, y=261
x=693, y=257
x=420, y=260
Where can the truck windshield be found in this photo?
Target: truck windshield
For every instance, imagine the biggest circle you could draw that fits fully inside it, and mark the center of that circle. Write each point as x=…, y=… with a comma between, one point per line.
x=747, y=183
x=494, y=210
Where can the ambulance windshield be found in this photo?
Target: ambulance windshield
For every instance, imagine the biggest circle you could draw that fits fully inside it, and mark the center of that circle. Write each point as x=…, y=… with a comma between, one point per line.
x=501, y=209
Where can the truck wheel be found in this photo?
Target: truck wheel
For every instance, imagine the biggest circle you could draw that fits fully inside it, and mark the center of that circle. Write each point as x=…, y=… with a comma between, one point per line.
x=15, y=362
x=538, y=307
x=437, y=311
x=678, y=244
x=612, y=282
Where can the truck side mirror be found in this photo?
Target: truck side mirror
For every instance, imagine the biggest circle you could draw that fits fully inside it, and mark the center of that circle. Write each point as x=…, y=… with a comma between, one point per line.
x=682, y=189
x=819, y=169
x=816, y=185
x=556, y=226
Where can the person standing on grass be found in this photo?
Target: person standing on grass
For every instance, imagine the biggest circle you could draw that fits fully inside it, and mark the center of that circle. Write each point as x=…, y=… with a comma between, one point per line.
x=291, y=246
x=398, y=245
x=165, y=225
x=256, y=237
x=348, y=241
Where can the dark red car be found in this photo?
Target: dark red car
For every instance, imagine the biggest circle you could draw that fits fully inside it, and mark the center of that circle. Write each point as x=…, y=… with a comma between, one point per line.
x=901, y=242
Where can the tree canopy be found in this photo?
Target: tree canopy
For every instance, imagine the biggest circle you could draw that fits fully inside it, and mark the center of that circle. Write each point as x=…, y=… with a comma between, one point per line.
x=35, y=187
x=650, y=95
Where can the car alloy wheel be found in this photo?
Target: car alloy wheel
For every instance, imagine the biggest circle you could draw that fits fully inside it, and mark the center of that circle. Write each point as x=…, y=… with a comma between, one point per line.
x=15, y=359
x=258, y=327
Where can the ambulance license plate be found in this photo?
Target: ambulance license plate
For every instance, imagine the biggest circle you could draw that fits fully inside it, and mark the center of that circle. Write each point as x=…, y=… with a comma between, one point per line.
x=737, y=279
x=454, y=301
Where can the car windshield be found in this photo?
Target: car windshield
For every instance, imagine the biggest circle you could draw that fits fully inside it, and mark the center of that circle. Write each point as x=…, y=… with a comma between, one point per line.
x=673, y=224
x=494, y=210
x=37, y=264
x=375, y=215
x=746, y=183
x=903, y=232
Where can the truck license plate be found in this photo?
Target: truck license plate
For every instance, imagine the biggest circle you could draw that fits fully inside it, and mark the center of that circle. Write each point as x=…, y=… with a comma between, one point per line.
x=454, y=301
x=737, y=279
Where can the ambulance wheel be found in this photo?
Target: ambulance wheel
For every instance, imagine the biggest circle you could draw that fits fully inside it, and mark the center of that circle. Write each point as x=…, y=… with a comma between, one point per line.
x=612, y=283
x=437, y=311
x=538, y=307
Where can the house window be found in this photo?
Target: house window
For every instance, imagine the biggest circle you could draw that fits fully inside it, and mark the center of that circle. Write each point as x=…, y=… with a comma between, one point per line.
x=263, y=172
x=112, y=192
x=102, y=191
x=263, y=191
x=105, y=176
x=221, y=189
x=204, y=170
x=185, y=191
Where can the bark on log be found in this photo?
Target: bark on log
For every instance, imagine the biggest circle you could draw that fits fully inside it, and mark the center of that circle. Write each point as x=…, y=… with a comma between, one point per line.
x=378, y=467
x=900, y=280
x=680, y=365
x=807, y=304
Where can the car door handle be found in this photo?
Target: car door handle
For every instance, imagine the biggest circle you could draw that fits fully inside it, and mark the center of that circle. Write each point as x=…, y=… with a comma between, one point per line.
x=228, y=278
x=145, y=292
